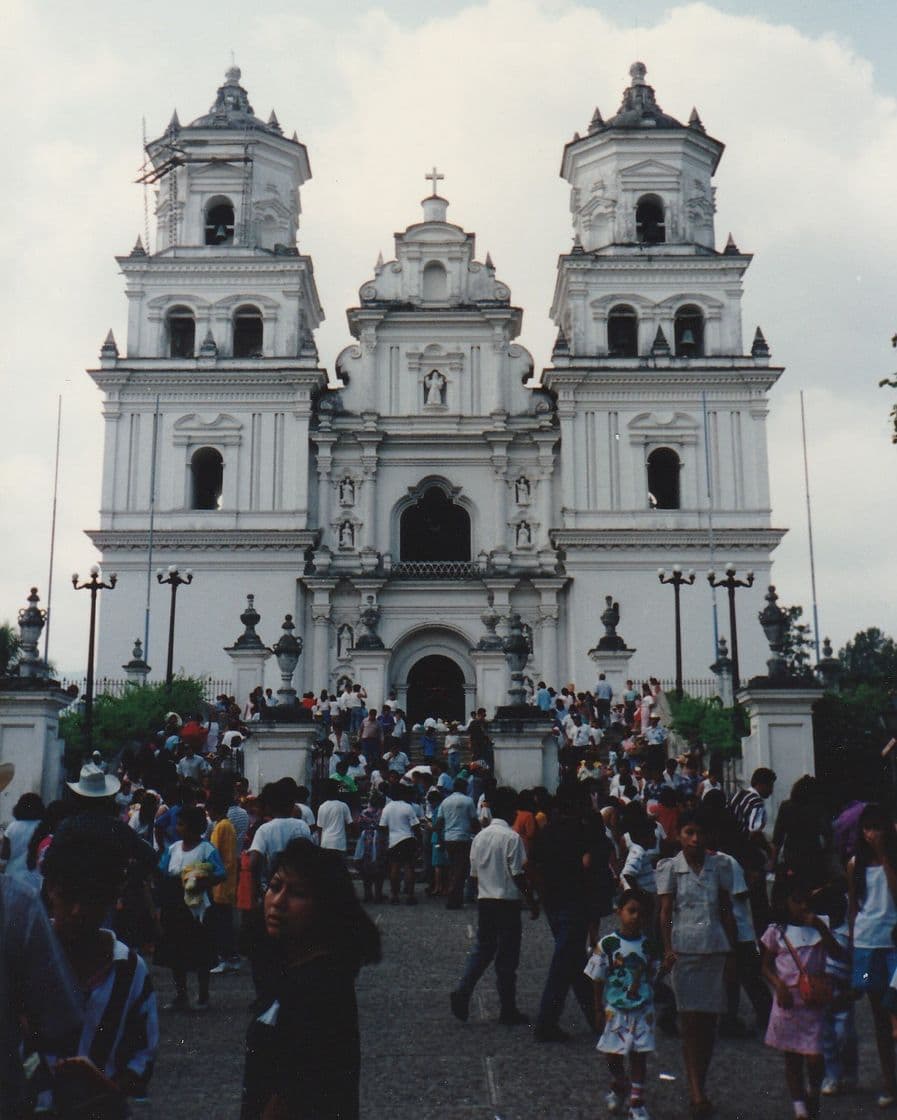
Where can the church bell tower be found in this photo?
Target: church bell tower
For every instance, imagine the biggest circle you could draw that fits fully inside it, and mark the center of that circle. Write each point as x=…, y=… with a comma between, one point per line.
x=662, y=412
x=207, y=410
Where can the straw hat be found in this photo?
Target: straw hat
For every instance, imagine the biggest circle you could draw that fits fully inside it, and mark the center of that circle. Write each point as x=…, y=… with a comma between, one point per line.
x=92, y=782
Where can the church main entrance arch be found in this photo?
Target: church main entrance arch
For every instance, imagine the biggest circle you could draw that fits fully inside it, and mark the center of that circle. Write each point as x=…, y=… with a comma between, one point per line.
x=435, y=688
x=432, y=674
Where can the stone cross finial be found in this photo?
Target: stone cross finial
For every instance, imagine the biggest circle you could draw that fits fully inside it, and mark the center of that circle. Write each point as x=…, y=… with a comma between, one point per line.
x=434, y=176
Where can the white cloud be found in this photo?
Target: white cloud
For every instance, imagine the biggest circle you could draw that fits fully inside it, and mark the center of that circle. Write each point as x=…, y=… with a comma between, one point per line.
x=490, y=94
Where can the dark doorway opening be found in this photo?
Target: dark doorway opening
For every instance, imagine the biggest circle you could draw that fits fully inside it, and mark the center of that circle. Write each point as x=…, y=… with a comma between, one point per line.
x=435, y=529
x=435, y=688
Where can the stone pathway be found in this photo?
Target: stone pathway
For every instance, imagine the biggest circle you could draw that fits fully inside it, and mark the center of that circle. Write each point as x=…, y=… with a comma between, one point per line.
x=420, y=1063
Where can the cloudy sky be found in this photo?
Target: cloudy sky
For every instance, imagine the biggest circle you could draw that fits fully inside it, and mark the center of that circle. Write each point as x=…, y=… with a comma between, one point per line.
x=802, y=92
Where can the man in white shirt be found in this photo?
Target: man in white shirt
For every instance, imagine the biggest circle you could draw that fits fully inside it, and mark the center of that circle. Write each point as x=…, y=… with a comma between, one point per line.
x=497, y=859
x=334, y=818
x=273, y=836
x=400, y=827
x=192, y=766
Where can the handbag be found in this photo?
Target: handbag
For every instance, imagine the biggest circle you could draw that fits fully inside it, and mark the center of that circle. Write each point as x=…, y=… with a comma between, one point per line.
x=814, y=990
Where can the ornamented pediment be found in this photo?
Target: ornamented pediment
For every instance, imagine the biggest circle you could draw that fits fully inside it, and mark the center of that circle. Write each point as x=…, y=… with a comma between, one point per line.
x=675, y=428
x=651, y=171
x=220, y=431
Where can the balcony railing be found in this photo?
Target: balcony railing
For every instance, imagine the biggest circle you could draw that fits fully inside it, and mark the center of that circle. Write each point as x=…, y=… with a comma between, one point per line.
x=435, y=569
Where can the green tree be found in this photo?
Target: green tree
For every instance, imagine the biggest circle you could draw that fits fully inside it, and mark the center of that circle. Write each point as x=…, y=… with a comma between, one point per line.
x=891, y=382
x=122, y=721
x=9, y=648
x=798, y=651
x=869, y=657
x=707, y=723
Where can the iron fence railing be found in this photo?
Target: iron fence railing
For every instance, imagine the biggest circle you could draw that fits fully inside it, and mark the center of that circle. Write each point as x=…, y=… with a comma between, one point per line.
x=435, y=569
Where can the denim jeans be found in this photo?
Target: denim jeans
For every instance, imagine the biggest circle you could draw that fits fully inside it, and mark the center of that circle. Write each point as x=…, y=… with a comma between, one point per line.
x=570, y=928
x=498, y=938
x=839, y=1044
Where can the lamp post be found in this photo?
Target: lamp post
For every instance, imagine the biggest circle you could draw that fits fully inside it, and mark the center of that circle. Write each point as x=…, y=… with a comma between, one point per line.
x=174, y=579
x=94, y=585
x=677, y=579
x=730, y=583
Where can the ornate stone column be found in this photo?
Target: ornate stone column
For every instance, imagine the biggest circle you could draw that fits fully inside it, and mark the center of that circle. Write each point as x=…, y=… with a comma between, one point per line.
x=248, y=654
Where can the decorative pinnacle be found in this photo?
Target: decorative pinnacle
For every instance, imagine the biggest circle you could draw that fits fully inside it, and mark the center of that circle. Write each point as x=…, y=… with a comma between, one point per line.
x=637, y=72
x=759, y=347
x=233, y=74
x=174, y=125
x=379, y=265
x=561, y=346
x=694, y=121
x=209, y=348
x=295, y=137
x=660, y=346
x=274, y=123
x=576, y=137
x=139, y=250
x=489, y=263
x=731, y=248
x=109, y=349
x=597, y=121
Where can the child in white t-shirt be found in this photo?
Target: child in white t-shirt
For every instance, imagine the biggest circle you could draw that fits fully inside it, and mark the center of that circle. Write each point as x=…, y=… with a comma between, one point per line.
x=623, y=969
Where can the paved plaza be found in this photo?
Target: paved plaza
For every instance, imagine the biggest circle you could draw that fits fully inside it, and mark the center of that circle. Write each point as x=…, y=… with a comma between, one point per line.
x=420, y=1063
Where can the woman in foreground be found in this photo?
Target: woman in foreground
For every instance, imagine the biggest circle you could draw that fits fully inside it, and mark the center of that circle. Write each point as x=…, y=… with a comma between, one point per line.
x=302, y=1051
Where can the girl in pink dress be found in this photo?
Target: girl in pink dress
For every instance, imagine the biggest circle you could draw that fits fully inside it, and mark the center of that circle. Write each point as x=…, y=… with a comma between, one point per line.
x=798, y=943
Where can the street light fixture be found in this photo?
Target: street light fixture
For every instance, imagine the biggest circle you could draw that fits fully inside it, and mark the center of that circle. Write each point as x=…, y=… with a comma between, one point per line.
x=175, y=580
x=94, y=585
x=677, y=579
x=730, y=583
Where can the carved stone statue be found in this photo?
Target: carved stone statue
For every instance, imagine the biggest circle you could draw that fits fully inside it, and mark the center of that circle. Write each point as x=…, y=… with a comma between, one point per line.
x=346, y=492
x=524, y=535
x=610, y=619
x=347, y=535
x=434, y=383
x=522, y=491
x=345, y=639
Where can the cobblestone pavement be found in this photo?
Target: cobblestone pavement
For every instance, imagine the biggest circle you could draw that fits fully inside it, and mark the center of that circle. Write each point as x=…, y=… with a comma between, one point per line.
x=419, y=1062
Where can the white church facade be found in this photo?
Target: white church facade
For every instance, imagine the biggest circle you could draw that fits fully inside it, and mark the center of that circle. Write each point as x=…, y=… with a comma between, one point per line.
x=402, y=502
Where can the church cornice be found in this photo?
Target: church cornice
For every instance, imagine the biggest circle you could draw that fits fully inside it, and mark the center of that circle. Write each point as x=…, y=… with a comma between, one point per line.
x=666, y=540
x=597, y=375
x=203, y=540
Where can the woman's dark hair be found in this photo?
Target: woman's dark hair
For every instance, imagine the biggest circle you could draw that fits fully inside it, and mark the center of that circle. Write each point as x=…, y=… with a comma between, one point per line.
x=194, y=819
x=787, y=885
x=29, y=807
x=805, y=790
x=341, y=923
x=874, y=815
x=85, y=866
x=149, y=803
x=54, y=815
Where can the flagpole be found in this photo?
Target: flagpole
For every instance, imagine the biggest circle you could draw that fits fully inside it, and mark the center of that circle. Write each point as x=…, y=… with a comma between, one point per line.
x=53, y=529
x=152, y=520
x=803, y=429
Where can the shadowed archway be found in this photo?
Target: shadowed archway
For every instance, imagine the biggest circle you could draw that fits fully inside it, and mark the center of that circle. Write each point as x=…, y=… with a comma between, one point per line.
x=435, y=688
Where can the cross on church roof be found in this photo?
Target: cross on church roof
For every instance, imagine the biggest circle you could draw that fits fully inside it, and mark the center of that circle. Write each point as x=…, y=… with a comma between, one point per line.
x=435, y=176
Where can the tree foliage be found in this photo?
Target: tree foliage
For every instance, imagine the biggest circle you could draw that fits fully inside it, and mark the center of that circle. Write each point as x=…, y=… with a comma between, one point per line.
x=10, y=646
x=798, y=649
x=870, y=657
x=121, y=721
x=707, y=724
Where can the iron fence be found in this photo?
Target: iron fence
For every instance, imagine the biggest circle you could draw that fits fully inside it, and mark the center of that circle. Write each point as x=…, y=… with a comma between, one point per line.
x=117, y=686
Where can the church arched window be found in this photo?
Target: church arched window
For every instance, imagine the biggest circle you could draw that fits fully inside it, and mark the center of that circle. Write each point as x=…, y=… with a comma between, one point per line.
x=622, y=332
x=663, y=479
x=435, y=281
x=248, y=332
x=650, y=226
x=219, y=221
x=207, y=470
x=181, y=332
x=434, y=528
x=689, y=332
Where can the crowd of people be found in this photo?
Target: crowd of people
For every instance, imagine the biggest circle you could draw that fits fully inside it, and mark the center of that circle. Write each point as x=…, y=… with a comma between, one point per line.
x=666, y=895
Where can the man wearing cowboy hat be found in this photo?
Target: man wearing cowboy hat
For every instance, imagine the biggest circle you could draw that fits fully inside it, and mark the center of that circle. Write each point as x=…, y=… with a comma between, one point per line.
x=34, y=983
